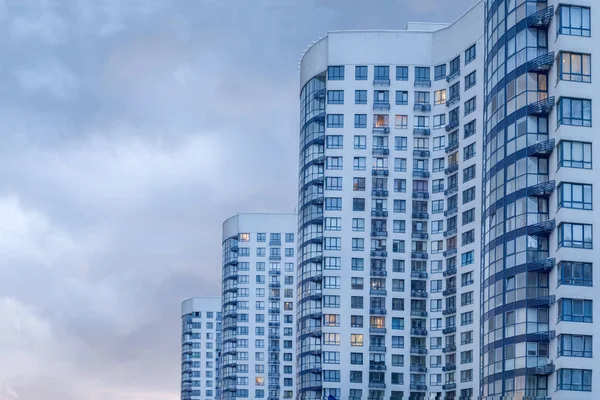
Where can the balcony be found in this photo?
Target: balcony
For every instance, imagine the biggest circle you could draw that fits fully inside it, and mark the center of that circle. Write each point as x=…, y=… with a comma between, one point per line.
x=423, y=107
x=453, y=100
x=450, y=232
x=274, y=298
x=420, y=195
x=452, y=146
x=377, y=349
x=380, y=172
x=420, y=215
x=449, y=386
x=379, y=234
x=542, y=63
x=541, y=107
x=449, y=367
x=418, y=293
x=418, y=350
x=274, y=324
x=379, y=213
x=274, y=258
x=381, y=81
x=419, y=255
x=421, y=153
x=381, y=151
x=379, y=385
x=377, y=330
x=449, y=311
x=378, y=292
x=544, y=336
x=377, y=311
x=418, y=274
x=274, y=310
x=452, y=125
x=380, y=193
x=449, y=330
x=450, y=291
x=381, y=129
x=418, y=332
x=418, y=386
x=451, y=190
x=450, y=271
x=543, y=265
x=450, y=211
x=451, y=348
x=418, y=313
x=421, y=131
x=378, y=253
x=274, y=285
x=452, y=168
x=422, y=82
x=418, y=368
x=378, y=272
x=377, y=366
x=274, y=272
x=541, y=229
x=453, y=74
x=541, y=19
x=450, y=252
x=420, y=173
x=543, y=370
x=381, y=105
x=274, y=348
x=541, y=301
x=541, y=149
x=543, y=190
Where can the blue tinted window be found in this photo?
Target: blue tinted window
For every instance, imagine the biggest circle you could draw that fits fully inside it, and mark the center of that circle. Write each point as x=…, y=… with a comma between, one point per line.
x=401, y=73
x=360, y=73
x=573, y=21
x=335, y=73
x=577, y=112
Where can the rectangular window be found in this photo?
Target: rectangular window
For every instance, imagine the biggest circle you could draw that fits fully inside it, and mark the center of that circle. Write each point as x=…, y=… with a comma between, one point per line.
x=470, y=129
x=573, y=21
x=576, y=112
x=335, y=97
x=575, y=195
x=575, y=235
x=360, y=97
x=356, y=339
x=575, y=67
x=335, y=141
x=401, y=73
x=382, y=73
x=333, y=243
x=358, y=225
x=401, y=122
x=439, y=97
x=470, y=80
x=399, y=226
x=401, y=97
x=400, y=143
x=439, y=143
x=439, y=72
x=358, y=204
x=358, y=244
x=470, y=54
x=469, y=152
x=360, y=73
x=437, y=185
x=333, y=183
x=575, y=346
x=575, y=154
x=575, y=310
x=335, y=120
x=470, y=105
x=400, y=206
x=439, y=121
x=400, y=164
x=469, y=172
x=455, y=66
x=575, y=273
x=358, y=264
x=360, y=120
x=467, y=258
x=579, y=380
x=400, y=185
x=334, y=163
x=360, y=142
x=359, y=164
x=335, y=73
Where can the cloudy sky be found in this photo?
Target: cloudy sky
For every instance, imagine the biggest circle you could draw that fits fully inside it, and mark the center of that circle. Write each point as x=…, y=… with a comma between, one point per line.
x=130, y=130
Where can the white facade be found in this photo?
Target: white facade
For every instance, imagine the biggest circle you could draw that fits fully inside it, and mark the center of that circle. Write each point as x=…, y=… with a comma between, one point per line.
x=200, y=348
x=259, y=292
x=389, y=213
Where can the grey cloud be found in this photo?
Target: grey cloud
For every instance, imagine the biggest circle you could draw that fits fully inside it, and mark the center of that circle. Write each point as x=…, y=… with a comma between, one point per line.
x=131, y=130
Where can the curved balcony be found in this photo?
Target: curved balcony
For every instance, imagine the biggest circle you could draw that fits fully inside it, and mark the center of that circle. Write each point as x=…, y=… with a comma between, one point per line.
x=449, y=310
x=450, y=291
x=450, y=252
x=381, y=234
x=451, y=190
x=451, y=348
x=452, y=168
x=452, y=146
x=450, y=232
x=541, y=149
x=418, y=313
x=378, y=272
x=420, y=235
x=541, y=63
x=449, y=367
x=449, y=330
x=543, y=189
x=418, y=368
x=381, y=151
x=381, y=105
x=450, y=271
x=541, y=229
x=420, y=173
x=543, y=265
x=452, y=125
x=541, y=19
x=421, y=387
x=453, y=74
x=449, y=386
x=419, y=294
x=453, y=100
x=541, y=107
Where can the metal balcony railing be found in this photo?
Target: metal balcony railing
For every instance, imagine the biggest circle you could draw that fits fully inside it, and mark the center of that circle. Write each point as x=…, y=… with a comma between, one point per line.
x=541, y=107
x=423, y=107
x=453, y=100
x=541, y=149
x=451, y=168
x=542, y=63
x=543, y=265
x=541, y=19
x=453, y=145
x=381, y=129
x=543, y=189
x=452, y=125
x=453, y=74
x=542, y=229
x=419, y=82
x=421, y=131
x=380, y=193
x=381, y=105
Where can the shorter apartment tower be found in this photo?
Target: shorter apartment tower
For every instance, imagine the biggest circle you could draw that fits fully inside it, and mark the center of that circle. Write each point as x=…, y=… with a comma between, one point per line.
x=258, y=298
x=200, y=348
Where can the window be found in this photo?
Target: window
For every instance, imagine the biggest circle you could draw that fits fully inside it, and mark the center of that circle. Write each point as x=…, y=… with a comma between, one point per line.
x=331, y=357
x=439, y=121
x=400, y=164
x=575, y=310
x=575, y=195
x=435, y=324
x=356, y=302
x=470, y=54
x=333, y=183
x=574, y=346
x=360, y=97
x=435, y=305
x=470, y=80
x=398, y=286
x=401, y=122
x=468, y=153
x=399, y=226
x=439, y=97
x=437, y=206
x=575, y=235
x=438, y=164
x=469, y=173
x=333, y=203
x=335, y=141
x=382, y=73
x=466, y=357
x=400, y=143
x=470, y=129
x=466, y=279
x=437, y=185
x=398, y=246
x=439, y=143
x=439, y=72
x=335, y=120
x=360, y=142
x=331, y=301
x=358, y=244
x=575, y=154
x=357, y=283
x=400, y=185
x=435, y=286
x=332, y=320
x=360, y=120
x=398, y=323
x=466, y=318
x=575, y=273
x=356, y=358
x=335, y=97
x=334, y=163
x=401, y=73
x=360, y=73
x=573, y=21
x=356, y=340
x=333, y=224
x=470, y=106
x=467, y=258
x=355, y=376
x=575, y=67
x=331, y=375
x=358, y=264
x=455, y=66
x=332, y=282
x=398, y=342
x=401, y=97
x=335, y=73
x=466, y=299
x=398, y=266
x=576, y=112
x=333, y=243
x=574, y=379
x=358, y=204
x=468, y=195
x=400, y=206
x=468, y=237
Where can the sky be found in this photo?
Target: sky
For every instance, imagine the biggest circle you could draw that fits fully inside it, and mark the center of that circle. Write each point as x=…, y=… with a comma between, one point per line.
x=130, y=130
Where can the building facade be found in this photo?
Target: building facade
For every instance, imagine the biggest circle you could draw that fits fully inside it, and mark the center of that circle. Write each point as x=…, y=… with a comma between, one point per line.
x=537, y=247
x=258, y=297
x=389, y=224
x=200, y=348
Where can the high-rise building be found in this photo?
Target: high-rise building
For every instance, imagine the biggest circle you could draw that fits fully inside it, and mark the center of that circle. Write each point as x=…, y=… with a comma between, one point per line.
x=391, y=137
x=200, y=348
x=538, y=179
x=258, y=297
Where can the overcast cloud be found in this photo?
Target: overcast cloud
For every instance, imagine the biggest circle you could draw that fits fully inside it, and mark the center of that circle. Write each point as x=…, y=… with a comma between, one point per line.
x=130, y=130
